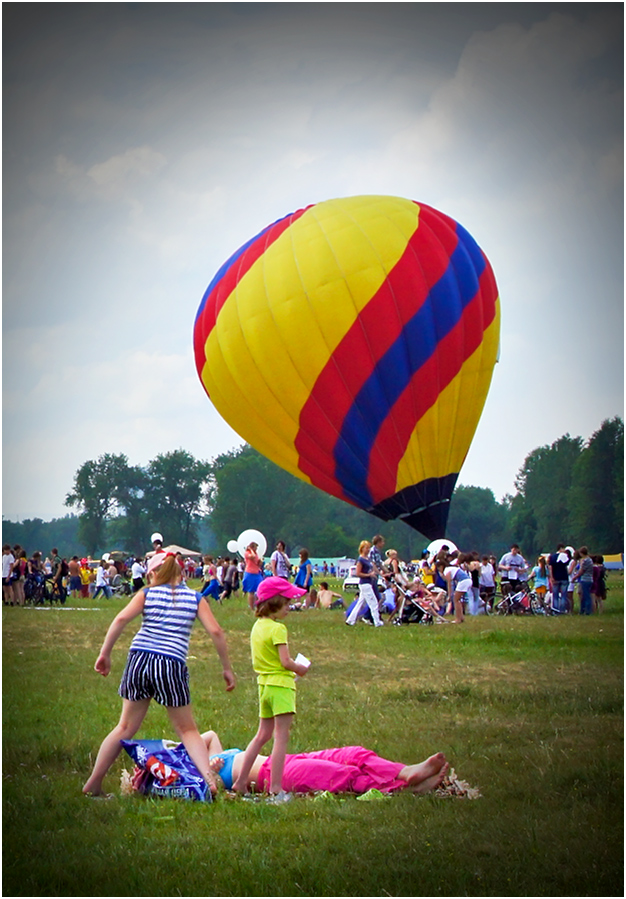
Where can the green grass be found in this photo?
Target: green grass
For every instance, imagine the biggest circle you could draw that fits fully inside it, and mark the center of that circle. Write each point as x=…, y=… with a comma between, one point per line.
x=529, y=710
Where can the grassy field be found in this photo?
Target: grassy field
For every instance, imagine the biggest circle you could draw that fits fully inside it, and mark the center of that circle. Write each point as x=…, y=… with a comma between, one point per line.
x=530, y=710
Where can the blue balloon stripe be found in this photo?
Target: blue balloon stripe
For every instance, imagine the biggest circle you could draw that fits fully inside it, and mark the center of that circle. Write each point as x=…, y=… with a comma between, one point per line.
x=435, y=319
x=225, y=268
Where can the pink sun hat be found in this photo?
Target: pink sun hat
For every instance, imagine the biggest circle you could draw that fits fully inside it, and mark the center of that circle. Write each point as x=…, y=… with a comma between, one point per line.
x=276, y=586
x=156, y=560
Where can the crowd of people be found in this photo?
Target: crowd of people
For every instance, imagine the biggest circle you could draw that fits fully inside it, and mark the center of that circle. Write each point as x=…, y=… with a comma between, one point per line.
x=451, y=583
x=457, y=583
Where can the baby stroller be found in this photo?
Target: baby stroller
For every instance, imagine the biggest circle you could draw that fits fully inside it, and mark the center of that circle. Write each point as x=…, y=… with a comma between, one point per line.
x=120, y=587
x=411, y=610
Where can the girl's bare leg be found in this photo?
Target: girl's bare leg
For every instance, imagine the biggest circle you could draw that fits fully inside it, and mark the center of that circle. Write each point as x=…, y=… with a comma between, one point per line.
x=458, y=608
x=183, y=721
x=282, y=726
x=256, y=744
x=132, y=715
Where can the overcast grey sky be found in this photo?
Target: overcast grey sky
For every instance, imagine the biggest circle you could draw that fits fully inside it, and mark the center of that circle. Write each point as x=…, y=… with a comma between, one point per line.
x=144, y=143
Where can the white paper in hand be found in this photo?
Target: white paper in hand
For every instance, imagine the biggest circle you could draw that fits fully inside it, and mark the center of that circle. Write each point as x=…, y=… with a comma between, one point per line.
x=302, y=660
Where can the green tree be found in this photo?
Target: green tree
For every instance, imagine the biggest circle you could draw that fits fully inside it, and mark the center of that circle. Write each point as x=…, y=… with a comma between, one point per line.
x=175, y=494
x=132, y=527
x=95, y=496
x=247, y=490
x=596, y=496
x=35, y=534
x=477, y=520
x=543, y=485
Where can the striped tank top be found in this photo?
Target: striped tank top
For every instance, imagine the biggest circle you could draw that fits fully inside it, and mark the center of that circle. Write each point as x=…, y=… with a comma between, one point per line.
x=168, y=617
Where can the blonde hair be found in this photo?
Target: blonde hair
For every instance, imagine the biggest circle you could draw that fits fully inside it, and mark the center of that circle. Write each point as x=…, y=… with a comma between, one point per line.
x=362, y=546
x=168, y=572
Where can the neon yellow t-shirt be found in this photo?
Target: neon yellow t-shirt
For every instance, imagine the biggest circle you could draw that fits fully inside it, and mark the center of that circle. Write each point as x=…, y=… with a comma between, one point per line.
x=265, y=638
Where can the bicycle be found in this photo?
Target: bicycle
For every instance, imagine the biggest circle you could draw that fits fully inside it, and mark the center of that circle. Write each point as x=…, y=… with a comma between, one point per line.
x=517, y=602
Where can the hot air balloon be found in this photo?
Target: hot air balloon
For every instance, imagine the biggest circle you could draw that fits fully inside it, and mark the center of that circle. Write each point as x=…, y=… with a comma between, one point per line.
x=353, y=342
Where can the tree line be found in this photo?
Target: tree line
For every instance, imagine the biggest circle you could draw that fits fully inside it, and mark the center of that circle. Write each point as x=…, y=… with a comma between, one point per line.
x=570, y=491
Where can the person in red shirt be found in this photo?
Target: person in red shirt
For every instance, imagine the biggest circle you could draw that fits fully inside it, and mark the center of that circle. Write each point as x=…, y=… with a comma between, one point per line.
x=253, y=573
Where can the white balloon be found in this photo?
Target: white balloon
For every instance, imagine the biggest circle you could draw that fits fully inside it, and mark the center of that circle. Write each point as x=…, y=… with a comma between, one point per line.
x=232, y=546
x=106, y=557
x=434, y=547
x=251, y=536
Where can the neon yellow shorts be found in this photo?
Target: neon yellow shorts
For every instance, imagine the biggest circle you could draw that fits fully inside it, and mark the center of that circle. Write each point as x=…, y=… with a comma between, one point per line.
x=276, y=700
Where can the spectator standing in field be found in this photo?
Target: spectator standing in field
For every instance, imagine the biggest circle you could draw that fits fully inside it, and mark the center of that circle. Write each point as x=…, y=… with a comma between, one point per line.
x=7, y=564
x=253, y=572
x=584, y=575
x=102, y=581
x=279, y=561
x=426, y=570
x=572, y=571
x=558, y=564
x=474, y=568
x=137, y=572
x=375, y=556
x=55, y=565
x=231, y=584
x=85, y=578
x=598, y=588
x=367, y=574
x=487, y=581
x=20, y=567
x=212, y=586
x=458, y=582
x=512, y=564
x=541, y=575
x=304, y=575
x=73, y=569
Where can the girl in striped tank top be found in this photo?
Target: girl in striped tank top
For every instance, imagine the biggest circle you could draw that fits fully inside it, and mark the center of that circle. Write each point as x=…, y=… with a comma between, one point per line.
x=157, y=665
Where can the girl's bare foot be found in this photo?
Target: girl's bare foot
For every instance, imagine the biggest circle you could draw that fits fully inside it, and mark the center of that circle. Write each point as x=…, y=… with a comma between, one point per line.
x=431, y=783
x=415, y=774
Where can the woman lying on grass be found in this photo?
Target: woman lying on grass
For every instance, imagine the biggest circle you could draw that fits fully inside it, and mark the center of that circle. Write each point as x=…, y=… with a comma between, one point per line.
x=345, y=769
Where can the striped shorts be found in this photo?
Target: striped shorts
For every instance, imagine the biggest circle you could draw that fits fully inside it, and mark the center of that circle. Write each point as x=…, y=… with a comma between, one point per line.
x=148, y=675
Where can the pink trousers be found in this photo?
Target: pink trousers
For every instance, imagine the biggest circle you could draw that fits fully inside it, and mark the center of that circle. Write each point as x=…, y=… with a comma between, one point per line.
x=346, y=769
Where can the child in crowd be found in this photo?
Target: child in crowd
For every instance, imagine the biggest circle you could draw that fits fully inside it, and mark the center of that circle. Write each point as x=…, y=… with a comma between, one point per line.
x=541, y=576
x=598, y=589
x=157, y=665
x=276, y=672
x=253, y=573
x=85, y=578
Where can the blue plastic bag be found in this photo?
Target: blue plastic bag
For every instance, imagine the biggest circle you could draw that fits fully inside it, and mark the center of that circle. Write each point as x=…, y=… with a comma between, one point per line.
x=169, y=770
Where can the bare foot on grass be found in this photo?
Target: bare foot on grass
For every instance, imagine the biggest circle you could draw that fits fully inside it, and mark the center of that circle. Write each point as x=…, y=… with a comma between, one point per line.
x=431, y=783
x=415, y=774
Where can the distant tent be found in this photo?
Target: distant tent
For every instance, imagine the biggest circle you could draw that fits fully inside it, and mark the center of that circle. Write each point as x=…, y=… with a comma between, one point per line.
x=173, y=548
x=615, y=561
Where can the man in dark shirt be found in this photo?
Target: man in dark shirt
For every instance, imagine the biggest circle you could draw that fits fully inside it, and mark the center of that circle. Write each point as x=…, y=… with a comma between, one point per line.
x=559, y=575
